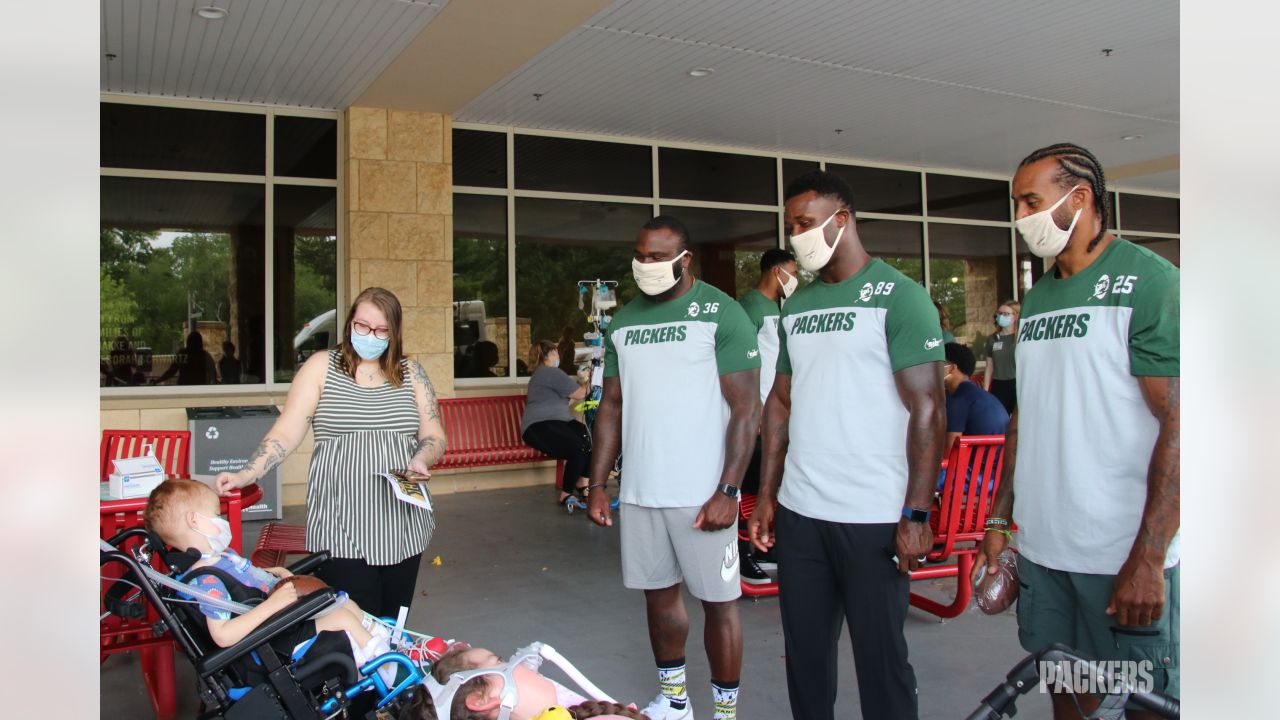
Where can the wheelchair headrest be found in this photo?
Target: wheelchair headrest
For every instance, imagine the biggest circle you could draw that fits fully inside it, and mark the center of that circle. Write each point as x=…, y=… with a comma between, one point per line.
x=179, y=561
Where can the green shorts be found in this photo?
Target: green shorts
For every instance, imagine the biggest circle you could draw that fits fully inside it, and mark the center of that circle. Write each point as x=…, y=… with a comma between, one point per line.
x=1071, y=608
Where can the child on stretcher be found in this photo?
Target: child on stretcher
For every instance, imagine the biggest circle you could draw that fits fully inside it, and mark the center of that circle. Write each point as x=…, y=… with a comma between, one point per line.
x=185, y=514
x=479, y=698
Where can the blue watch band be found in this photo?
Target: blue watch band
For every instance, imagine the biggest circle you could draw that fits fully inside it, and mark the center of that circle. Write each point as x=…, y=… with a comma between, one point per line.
x=915, y=514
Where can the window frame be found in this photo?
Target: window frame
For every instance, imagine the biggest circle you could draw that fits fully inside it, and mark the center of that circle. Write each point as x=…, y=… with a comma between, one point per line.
x=269, y=181
x=656, y=200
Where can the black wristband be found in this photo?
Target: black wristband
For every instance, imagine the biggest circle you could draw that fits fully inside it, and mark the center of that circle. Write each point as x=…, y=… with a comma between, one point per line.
x=727, y=489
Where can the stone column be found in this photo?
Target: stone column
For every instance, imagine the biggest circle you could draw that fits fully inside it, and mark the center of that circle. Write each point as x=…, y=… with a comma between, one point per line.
x=400, y=225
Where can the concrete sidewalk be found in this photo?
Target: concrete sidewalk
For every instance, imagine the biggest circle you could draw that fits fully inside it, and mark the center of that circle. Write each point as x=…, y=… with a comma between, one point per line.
x=515, y=568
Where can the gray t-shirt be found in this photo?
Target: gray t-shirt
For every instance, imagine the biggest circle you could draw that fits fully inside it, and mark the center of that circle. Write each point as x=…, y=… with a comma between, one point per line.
x=549, y=391
x=1001, y=348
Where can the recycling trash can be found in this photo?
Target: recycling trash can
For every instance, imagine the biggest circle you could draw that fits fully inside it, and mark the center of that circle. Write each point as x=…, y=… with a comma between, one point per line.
x=223, y=438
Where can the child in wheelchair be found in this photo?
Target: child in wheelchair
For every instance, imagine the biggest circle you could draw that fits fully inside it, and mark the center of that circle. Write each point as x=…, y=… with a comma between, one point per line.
x=185, y=514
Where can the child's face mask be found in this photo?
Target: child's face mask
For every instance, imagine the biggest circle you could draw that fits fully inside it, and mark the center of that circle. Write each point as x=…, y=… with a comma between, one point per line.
x=219, y=542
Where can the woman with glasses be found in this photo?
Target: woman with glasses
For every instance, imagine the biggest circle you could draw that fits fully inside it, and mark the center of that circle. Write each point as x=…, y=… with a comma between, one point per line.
x=1000, y=372
x=372, y=410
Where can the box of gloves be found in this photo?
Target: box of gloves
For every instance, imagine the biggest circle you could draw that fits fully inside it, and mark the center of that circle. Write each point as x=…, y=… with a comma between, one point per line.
x=135, y=477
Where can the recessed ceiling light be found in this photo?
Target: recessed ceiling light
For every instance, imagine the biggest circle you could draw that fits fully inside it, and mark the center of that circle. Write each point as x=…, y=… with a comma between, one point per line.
x=701, y=72
x=1131, y=137
x=211, y=12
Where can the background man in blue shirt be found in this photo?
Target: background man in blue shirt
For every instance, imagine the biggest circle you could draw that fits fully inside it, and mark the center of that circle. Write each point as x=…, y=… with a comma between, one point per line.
x=970, y=409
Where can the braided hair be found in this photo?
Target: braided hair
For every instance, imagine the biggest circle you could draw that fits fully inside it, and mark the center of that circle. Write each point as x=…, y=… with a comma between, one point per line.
x=1075, y=164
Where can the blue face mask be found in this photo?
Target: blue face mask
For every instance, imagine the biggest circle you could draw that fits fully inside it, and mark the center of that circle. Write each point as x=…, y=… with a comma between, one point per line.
x=368, y=346
x=1004, y=321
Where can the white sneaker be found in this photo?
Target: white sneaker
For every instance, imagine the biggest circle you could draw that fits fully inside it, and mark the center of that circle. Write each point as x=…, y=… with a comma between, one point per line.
x=660, y=709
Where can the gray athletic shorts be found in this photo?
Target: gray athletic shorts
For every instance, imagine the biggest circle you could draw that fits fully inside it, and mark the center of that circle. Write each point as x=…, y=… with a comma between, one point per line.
x=661, y=548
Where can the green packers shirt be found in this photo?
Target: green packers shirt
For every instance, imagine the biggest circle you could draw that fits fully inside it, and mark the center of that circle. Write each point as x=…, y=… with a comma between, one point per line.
x=1085, y=434
x=669, y=357
x=763, y=314
x=841, y=343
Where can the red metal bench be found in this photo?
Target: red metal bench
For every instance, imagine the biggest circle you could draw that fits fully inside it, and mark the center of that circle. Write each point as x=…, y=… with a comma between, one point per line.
x=958, y=516
x=172, y=448
x=482, y=431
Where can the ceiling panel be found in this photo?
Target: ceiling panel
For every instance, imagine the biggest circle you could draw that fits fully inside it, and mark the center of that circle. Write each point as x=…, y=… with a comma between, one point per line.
x=966, y=85
x=306, y=53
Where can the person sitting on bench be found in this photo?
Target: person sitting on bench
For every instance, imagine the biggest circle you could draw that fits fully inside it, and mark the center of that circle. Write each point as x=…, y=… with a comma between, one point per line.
x=185, y=514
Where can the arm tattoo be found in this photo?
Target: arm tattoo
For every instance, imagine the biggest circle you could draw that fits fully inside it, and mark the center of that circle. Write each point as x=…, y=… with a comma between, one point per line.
x=429, y=445
x=1160, y=516
x=271, y=452
x=430, y=408
x=1002, y=504
x=742, y=391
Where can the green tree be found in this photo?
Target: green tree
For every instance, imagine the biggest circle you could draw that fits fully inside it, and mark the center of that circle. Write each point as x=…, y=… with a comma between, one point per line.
x=547, y=282
x=118, y=312
x=120, y=249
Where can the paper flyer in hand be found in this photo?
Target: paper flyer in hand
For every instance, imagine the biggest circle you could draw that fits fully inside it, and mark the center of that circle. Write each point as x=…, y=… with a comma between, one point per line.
x=408, y=491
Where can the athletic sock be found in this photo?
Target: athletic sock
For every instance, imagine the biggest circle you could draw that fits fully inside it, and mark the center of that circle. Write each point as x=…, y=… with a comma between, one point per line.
x=726, y=697
x=672, y=683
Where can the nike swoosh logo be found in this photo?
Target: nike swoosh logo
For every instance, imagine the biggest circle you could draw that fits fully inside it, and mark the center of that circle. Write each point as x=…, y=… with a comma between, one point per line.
x=931, y=344
x=730, y=566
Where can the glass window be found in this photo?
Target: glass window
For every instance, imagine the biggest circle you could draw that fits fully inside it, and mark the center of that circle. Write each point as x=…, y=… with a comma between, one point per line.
x=717, y=176
x=1168, y=248
x=953, y=196
x=899, y=243
x=792, y=169
x=479, y=158
x=305, y=246
x=970, y=272
x=558, y=243
x=583, y=166
x=306, y=147
x=1111, y=221
x=727, y=244
x=479, y=286
x=164, y=138
x=181, y=272
x=1148, y=213
x=881, y=190
x=1030, y=267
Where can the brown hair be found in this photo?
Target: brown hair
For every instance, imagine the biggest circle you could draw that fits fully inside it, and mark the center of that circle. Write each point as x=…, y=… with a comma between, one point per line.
x=538, y=352
x=421, y=706
x=1013, y=304
x=170, y=498
x=944, y=318
x=450, y=663
x=390, y=361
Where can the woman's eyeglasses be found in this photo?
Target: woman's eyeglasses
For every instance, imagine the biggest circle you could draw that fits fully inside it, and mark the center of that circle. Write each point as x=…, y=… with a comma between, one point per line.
x=362, y=329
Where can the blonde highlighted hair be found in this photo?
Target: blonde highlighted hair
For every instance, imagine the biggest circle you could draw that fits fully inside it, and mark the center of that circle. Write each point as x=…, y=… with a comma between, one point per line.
x=538, y=352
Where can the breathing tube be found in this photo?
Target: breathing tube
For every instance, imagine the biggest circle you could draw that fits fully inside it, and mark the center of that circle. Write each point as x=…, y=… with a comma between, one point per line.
x=532, y=656
x=203, y=597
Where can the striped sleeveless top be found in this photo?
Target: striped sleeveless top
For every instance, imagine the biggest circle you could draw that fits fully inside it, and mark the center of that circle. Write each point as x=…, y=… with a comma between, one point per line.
x=360, y=431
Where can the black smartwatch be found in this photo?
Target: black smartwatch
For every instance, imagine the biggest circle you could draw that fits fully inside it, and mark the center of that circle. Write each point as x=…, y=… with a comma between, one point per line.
x=730, y=490
x=915, y=514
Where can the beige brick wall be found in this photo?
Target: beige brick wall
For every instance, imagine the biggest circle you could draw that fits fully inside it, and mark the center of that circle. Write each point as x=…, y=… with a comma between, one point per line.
x=399, y=225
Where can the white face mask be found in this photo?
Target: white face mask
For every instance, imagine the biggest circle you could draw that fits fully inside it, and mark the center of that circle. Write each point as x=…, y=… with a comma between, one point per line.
x=656, y=278
x=790, y=285
x=219, y=543
x=1043, y=236
x=811, y=248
